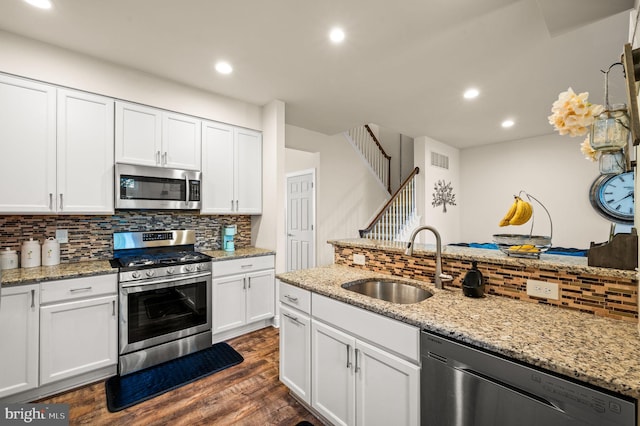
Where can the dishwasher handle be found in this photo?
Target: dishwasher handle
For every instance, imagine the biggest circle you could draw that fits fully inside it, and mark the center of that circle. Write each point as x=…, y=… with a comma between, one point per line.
x=511, y=388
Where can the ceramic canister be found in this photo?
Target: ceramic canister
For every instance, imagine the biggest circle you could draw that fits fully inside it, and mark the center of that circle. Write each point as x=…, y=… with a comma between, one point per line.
x=8, y=259
x=50, y=252
x=30, y=255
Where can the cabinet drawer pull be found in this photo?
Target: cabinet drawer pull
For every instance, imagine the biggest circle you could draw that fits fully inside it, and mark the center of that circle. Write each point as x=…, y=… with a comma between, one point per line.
x=357, y=366
x=73, y=290
x=292, y=318
x=33, y=298
x=348, y=356
x=250, y=265
x=291, y=298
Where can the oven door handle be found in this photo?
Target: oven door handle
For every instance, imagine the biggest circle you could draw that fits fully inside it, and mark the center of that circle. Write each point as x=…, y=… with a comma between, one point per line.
x=146, y=283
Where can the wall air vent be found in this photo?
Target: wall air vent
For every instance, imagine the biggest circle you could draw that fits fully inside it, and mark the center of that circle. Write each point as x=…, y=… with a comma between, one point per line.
x=439, y=160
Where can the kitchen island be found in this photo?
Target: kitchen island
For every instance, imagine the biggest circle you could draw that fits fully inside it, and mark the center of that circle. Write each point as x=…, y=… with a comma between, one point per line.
x=594, y=349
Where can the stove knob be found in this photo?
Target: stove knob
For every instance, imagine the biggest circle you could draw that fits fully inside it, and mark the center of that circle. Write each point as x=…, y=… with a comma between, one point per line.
x=170, y=270
x=198, y=267
x=189, y=268
x=150, y=273
x=135, y=274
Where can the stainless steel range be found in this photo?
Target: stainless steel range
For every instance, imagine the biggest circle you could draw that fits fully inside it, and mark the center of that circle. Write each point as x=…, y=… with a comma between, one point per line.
x=165, y=297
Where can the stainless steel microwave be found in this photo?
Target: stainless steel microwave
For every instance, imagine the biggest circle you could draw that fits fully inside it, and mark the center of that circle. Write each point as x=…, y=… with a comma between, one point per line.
x=156, y=188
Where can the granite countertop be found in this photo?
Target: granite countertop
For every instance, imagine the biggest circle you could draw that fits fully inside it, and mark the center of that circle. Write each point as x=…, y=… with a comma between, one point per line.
x=575, y=264
x=600, y=351
x=102, y=267
x=239, y=253
x=57, y=272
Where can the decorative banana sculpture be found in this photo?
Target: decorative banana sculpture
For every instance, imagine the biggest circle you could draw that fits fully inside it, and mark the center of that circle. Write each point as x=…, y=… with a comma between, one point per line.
x=519, y=213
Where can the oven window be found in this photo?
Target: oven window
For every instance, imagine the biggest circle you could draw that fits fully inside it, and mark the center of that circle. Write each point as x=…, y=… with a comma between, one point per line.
x=158, y=312
x=152, y=188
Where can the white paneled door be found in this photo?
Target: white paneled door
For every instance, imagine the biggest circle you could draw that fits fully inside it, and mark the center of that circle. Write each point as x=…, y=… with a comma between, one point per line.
x=301, y=220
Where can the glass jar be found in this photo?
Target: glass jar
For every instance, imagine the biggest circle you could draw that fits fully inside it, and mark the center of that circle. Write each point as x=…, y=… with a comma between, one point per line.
x=612, y=162
x=610, y=130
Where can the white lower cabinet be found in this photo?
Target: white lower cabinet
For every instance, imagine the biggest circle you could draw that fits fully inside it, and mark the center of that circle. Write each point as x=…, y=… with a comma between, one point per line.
x=78, y=327
x=355, y=383
x=19, y=338
x=295, y=352
x=243, y=293
x=364, y=367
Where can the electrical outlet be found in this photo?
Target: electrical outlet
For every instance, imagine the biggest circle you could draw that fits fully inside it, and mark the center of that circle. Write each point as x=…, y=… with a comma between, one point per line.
x=359, y=259
x=542, y=289
x=62, y=235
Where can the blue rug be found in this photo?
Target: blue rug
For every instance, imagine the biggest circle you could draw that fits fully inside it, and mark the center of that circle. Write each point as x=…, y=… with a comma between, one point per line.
x=125, y=391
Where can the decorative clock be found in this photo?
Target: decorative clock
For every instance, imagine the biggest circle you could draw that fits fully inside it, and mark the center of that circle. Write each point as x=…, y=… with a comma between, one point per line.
x=612, y=196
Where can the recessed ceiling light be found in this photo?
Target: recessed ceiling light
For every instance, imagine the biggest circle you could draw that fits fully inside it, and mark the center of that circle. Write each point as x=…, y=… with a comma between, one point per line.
x=41, y=4
x=336, y=35
x=471, y=93
x=224, y=67
x=507, y=123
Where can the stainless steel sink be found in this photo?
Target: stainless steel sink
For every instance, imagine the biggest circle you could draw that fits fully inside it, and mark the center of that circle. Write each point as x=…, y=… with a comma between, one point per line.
x=389, y=290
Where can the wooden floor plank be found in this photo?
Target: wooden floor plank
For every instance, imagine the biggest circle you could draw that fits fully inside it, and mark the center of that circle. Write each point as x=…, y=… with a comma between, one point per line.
x=249, y=393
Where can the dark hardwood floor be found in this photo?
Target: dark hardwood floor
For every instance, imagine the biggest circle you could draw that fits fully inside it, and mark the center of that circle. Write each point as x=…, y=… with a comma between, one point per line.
x=246, y=394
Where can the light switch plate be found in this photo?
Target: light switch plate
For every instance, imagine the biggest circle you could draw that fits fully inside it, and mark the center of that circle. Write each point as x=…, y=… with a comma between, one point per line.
x=62, y=235
x=359, y=259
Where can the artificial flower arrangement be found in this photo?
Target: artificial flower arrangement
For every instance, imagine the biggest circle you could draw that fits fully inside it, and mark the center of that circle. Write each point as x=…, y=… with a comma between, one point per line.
x=573, y=115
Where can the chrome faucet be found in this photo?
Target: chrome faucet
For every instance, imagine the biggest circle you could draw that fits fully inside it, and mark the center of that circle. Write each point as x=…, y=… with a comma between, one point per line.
x=440, y=278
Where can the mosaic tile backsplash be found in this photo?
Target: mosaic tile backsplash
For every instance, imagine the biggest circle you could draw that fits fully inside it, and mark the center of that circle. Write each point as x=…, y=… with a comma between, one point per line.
x=599, y=295
x=91, y=237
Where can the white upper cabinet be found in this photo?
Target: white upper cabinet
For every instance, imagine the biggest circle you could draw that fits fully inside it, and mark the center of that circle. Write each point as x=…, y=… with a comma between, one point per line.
x=231, y=170
x=28, y=146
x=49, y=165
x=181, y=141
x=138, y=134
x=153, y=137
x=85, y=153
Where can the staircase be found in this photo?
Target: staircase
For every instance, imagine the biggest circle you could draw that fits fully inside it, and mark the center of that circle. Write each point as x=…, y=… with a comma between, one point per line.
x=397, y=219
x=368, y=146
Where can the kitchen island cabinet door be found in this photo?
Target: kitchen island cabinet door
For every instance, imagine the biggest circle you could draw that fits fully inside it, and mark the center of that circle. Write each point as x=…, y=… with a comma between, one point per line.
x=295, y=352
x=85, y=153
x=387, y=388
x=19, y=313
x=28, y=154
x=333, y=384
x=77, y=337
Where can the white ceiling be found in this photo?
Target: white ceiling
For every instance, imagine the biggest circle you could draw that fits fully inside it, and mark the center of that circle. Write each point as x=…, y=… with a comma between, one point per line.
x=403, y=65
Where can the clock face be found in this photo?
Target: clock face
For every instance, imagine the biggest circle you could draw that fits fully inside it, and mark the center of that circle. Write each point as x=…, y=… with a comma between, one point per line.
x=613, y=197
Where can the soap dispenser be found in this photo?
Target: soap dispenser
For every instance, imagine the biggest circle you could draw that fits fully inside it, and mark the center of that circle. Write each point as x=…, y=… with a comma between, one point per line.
x=473, y=283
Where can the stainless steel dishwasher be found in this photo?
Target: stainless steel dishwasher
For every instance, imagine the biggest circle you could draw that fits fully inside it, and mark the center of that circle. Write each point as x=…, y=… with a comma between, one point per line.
x=464, y=386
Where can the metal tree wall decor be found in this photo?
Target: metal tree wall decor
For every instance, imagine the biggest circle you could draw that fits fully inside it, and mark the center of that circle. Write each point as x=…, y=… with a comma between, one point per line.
x=443, y=195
